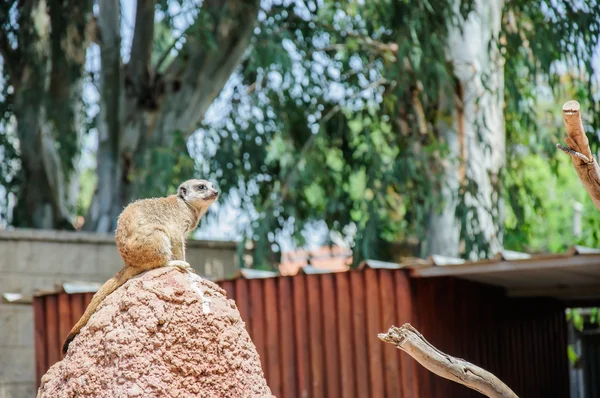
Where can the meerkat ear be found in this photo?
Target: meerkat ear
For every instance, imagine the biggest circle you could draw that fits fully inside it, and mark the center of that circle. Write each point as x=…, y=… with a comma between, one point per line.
x=182, y=191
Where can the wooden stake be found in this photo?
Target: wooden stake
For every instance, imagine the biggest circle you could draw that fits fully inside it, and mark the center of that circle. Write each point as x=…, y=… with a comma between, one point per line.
x=409, y=340
x=579, y=149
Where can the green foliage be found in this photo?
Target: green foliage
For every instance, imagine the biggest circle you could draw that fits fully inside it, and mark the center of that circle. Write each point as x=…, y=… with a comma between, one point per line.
x=351, y=161
x=168, y=166
x=594, y=315
x=10, y=178
x=301, y=154
x=575, y=316
x=333, y=117
x=579, y=318
x=540, y=215
x=539, y=39
x=573, y=357
x=9, y=160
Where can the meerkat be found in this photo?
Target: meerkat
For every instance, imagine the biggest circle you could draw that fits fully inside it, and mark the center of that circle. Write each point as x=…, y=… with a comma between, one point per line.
x=151, y=233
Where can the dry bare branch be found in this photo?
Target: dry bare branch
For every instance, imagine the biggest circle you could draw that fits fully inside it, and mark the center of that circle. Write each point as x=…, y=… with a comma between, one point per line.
x=409, y=340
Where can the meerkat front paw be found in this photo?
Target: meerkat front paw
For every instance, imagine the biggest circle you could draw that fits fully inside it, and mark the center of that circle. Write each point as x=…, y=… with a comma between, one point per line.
x=184, y=266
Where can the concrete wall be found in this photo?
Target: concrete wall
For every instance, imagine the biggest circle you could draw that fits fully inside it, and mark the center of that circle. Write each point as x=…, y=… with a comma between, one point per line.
x=32, y=260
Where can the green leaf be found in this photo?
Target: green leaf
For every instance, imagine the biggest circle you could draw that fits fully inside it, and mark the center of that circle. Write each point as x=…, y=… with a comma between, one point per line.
x=578, y=320
x=315, y=195
x=355, y=126
x=356, y=215
x=335, y=160
x=357, y=184
x=275, y=150
x=573, y=357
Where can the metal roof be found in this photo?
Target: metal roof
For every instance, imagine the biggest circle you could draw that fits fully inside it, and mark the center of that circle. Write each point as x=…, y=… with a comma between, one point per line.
x=569, y=276
x=573, y=275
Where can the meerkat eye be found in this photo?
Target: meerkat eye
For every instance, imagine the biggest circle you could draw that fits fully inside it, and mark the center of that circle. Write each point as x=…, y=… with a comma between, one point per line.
x=201, y=187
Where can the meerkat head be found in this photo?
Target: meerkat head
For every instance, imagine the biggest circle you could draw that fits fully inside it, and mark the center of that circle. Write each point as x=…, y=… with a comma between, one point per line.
x=198, y=193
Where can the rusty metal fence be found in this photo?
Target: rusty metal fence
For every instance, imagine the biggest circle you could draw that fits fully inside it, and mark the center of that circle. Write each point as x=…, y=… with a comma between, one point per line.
x=317, y=334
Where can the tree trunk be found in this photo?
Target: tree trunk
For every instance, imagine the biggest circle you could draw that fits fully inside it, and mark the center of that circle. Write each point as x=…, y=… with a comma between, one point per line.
x=472, y=220
x=46, y=72
x=143, y=111
x=103, y=209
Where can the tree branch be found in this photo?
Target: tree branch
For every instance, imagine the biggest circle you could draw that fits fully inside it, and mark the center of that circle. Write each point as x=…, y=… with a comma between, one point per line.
x=370, y=44
x=579, y=149
x=141, y=47
x=213, y=49
x=102, y=213
x=165, y=54
x=133, y=124
x=409, y=340
x=110, y=73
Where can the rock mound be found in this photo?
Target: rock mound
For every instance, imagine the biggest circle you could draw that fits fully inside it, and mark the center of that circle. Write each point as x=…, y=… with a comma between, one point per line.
x=162, y=334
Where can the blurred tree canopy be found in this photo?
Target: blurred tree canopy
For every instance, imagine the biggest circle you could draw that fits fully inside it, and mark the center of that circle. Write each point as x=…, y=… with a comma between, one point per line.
x=369, y=117
x=151, y=94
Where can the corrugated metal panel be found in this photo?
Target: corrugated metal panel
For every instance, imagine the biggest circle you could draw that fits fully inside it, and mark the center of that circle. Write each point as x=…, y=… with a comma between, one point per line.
x=591, y=364
x=317, y=355
x=346, y=346
x=285, y=302
x=404, y=313
x=39, y=343
x=317, y=334
x=257, y=318
x=330, y=340
x=357, y=286
x=373, y=327
x=301, y=335
x=391, y=359
x=271, y=353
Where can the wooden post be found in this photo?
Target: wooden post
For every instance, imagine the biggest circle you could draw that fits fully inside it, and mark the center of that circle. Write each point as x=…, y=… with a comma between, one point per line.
x=579, y=149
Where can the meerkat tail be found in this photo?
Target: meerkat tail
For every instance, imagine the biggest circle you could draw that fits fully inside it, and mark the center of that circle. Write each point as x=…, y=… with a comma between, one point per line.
x=109, y=286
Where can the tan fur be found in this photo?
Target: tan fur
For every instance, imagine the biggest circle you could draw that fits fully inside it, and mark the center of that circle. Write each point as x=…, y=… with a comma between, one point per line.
x=151, y=233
